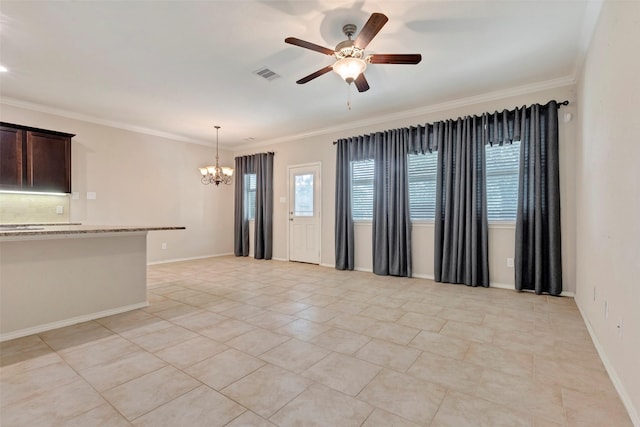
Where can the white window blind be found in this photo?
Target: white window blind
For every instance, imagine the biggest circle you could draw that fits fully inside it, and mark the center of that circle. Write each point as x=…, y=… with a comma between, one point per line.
x=422, y=185
x=503, y=167
x=502, y=170
x=362, y=189
x=250, y=195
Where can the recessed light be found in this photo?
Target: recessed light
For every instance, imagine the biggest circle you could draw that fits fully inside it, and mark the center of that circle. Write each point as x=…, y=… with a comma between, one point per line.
x=3, y=69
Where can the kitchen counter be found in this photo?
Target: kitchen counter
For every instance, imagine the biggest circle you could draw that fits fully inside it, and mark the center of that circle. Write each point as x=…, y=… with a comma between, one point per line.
x=59, y=275
x=21, y=230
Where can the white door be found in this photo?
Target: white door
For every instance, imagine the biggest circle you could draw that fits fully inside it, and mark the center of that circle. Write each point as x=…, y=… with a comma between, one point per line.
x=304, y=213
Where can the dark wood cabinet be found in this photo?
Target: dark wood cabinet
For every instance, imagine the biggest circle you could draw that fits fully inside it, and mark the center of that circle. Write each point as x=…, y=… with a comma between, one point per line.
x=11, y=159
x=34, y=159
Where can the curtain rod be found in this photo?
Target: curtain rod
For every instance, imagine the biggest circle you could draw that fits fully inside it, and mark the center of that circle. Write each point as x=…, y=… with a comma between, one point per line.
x=253, y=154
x=565, y=102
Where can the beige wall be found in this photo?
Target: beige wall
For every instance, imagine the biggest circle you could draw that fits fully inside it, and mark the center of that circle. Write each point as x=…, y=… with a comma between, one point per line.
x=608, y=195
x=502, y=237
x=145, y=180
x=148, y=180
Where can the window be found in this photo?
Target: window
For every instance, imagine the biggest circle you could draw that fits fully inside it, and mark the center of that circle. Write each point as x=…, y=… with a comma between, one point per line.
x=362, y=190
x=422, y=185
x=503, y=168
x=303, y=197
x=250, y=195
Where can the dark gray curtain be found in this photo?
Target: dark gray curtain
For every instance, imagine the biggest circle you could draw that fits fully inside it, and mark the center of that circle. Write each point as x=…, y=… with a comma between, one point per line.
x=243, y=165
x=349, y=149
x=461, y=230
x=262, y=165
x=391, y=222
x=343, y=220
x=263, y=233
x=461, y=226
x=538, y=261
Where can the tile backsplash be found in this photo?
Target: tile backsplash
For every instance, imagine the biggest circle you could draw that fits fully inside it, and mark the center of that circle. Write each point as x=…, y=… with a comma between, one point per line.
x=23, y=208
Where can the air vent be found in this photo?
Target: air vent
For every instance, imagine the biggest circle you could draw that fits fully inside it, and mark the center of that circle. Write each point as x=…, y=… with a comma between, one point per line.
x=267, y=74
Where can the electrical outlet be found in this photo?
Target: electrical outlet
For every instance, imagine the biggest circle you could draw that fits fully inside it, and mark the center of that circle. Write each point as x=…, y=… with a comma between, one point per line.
x=606, y=309
x=619, y=326
x=164, y=246
x=59, y=210
x=510, y=262
x=594, y=293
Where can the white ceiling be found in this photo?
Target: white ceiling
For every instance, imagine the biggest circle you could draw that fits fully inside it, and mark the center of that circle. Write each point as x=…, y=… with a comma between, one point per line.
x=179, y=67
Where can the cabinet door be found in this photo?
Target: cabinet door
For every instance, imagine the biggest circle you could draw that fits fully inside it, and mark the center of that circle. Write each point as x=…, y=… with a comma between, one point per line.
x=11, y=157
x=48, y=162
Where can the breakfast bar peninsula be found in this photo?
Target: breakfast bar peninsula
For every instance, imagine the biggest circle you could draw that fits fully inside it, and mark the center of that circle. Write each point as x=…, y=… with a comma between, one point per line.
x=58, y=275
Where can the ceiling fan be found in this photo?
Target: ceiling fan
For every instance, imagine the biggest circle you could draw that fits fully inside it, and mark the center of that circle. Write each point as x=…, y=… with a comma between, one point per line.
x=351, y=60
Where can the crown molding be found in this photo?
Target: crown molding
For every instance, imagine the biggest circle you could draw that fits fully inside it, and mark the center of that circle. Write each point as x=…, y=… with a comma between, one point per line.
x=448, y=105
x=91, y=119
x=371, y=121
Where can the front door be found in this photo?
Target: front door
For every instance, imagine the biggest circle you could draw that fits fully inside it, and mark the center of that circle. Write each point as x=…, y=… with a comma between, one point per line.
x=304, y=213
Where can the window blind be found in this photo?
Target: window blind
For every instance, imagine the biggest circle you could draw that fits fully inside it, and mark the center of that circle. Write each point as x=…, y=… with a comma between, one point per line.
x=362, y=189
x=422, y=170
x=502, y=170
x=250, y=195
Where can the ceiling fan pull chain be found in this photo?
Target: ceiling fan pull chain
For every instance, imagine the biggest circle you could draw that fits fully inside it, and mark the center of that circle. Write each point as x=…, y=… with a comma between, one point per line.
x=349, y=96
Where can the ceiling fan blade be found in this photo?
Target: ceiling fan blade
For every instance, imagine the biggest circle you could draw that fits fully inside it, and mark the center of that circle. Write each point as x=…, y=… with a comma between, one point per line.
x=395, y=59
x=312, y=76
x=308, y=45
x=361, y=83
x=374, y=24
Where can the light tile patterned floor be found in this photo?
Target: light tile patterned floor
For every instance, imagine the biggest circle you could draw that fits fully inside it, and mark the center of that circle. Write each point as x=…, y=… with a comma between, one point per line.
x=238, y=342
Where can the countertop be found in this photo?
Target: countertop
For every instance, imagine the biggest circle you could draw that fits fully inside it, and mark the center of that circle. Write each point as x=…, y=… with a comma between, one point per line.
x=19, y=230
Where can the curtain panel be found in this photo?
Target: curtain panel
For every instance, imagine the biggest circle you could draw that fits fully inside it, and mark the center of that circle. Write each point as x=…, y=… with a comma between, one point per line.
x=244, y=165
x=391, y=227
x=263, y=232
x=538, y=258
x=461, y=229
x=461, y=240
x=344, y=239
x=260, y=164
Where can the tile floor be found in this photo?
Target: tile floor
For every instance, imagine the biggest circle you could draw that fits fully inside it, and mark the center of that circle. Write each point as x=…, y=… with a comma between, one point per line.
x=238, y=342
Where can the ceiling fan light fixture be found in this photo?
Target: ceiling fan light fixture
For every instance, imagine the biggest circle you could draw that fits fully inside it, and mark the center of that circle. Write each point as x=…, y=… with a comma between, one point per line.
x=349, y=68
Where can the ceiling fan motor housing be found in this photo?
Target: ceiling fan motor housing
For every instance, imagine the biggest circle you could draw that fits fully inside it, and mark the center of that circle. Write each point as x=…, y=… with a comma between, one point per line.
x=347, y=49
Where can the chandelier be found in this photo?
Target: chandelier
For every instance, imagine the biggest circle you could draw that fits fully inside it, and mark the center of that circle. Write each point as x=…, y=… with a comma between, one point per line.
x=216, y=174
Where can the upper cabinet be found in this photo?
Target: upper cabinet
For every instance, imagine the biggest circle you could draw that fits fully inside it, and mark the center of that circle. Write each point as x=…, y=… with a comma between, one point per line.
x=34, y=159
x=11, y=162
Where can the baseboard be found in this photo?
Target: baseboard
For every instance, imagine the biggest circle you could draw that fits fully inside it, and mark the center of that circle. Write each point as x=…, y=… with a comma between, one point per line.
x=424, y=276
x=513, y=288
x=68, y=322
x=615, y=379
x=167, y=261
